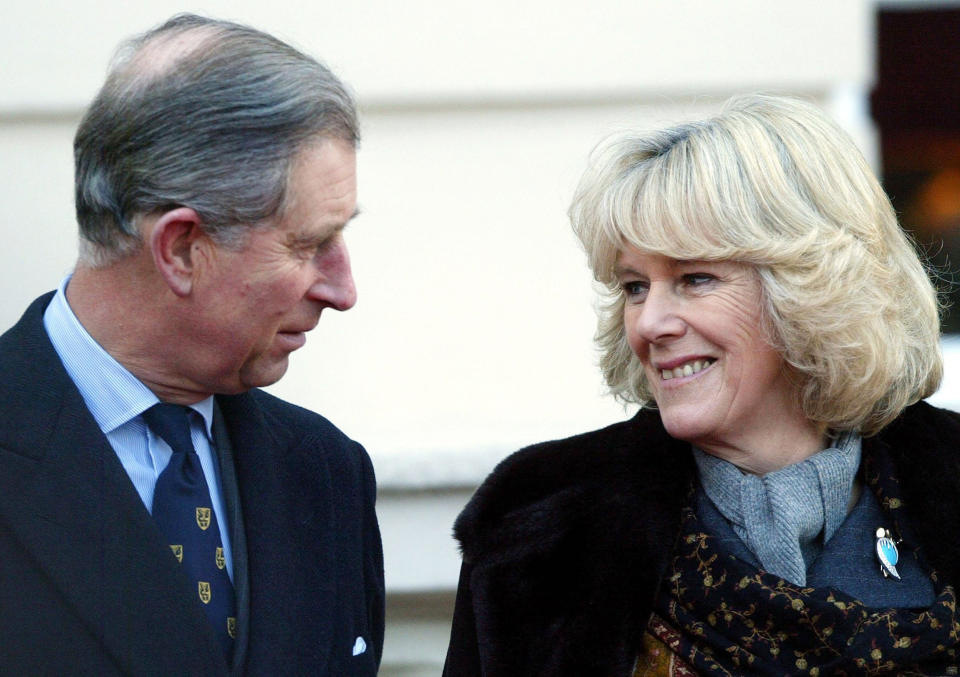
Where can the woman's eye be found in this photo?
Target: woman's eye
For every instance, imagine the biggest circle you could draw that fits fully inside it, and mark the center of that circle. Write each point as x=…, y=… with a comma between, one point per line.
x=697, y=279
x=635, y=290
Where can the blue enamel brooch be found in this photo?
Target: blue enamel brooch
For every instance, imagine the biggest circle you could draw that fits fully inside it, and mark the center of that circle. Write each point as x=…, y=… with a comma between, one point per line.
x=887, y=554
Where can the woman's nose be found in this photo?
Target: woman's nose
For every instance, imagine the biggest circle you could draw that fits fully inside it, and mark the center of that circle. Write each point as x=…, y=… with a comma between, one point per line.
x=660, y=317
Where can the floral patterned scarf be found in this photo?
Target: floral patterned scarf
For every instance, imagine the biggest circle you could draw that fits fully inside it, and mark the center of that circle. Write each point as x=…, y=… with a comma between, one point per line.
x=720, y=616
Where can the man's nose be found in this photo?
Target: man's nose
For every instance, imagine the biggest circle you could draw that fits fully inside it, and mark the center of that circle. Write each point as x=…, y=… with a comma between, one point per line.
x=334, y=285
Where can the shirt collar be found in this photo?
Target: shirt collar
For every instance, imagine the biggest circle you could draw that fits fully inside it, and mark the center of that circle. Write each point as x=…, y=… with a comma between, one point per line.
x=113, y=395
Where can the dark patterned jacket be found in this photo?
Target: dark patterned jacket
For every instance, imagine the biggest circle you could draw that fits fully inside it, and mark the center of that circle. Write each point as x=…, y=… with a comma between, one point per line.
x=565, y=544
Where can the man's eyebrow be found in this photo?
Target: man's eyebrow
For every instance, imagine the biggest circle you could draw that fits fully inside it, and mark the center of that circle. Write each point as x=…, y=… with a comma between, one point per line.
x=343, y=226
x=308, y=240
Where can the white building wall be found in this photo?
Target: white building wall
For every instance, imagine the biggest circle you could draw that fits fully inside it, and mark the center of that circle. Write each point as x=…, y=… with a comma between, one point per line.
x=473, y=331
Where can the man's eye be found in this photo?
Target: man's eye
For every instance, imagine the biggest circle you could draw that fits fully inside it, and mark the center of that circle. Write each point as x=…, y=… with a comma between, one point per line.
x=309, y=250
x=321, y=248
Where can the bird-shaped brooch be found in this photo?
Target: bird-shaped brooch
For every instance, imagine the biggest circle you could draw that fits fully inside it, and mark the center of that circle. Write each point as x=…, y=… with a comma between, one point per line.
x=887, y=554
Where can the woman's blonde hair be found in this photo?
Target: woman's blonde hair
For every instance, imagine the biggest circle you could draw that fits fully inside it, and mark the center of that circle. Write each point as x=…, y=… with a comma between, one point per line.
x=773, y=183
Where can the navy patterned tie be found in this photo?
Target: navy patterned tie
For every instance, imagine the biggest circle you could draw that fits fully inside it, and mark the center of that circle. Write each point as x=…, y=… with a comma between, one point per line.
x=184, y=513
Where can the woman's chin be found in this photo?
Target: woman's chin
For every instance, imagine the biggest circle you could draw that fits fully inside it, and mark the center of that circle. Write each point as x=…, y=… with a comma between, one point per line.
x=689, y=426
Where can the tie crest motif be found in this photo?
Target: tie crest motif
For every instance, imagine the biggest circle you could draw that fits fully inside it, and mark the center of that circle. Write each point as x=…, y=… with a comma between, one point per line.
x=182, y=510
x=203, y=518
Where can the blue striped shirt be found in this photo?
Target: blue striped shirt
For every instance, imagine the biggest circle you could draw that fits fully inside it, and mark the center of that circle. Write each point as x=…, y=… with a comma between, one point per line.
x=116, y=398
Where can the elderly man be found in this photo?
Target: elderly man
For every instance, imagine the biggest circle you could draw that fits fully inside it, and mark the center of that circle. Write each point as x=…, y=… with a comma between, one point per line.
x=159, y=515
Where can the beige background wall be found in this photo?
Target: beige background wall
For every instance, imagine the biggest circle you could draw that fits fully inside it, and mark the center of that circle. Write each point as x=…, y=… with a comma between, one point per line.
x=473, y=331
x=474, y=323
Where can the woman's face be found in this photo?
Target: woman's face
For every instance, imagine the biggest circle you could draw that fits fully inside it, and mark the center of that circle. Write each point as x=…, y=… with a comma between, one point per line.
x=696, y=327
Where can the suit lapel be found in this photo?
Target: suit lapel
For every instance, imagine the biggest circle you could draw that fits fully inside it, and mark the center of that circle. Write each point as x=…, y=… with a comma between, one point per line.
x=238, y=538
x=66, y=498
x=290, y=525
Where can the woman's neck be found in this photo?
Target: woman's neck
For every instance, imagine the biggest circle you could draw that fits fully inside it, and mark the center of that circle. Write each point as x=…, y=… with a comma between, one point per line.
x=768, y=450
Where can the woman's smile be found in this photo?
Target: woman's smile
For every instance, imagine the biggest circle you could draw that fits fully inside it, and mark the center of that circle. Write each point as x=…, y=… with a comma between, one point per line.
x=685, y=368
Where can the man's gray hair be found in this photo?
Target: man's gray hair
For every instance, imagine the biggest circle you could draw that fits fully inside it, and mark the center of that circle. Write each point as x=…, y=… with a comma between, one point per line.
x=205, y=114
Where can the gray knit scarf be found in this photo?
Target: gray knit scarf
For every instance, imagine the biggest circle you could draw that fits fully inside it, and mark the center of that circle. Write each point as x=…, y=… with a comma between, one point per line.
x=780, y=516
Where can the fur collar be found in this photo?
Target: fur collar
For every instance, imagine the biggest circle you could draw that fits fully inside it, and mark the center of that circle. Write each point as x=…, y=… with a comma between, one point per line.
x=550, y=523
x=566, y=542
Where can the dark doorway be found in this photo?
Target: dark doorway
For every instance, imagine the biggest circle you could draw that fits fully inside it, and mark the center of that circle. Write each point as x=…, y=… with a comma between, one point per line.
x=916, y=105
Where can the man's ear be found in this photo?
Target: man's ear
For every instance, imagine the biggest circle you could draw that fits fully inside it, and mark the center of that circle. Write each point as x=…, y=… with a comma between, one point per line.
x=171, y=240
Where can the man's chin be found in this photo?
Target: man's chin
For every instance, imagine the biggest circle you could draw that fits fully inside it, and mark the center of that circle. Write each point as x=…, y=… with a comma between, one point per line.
x=262, y=375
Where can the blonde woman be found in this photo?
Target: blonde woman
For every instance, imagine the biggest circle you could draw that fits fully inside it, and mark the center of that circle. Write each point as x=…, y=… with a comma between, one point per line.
x=783, y=503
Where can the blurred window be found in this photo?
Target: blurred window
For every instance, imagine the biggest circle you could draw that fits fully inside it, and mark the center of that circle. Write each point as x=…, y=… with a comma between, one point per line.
x=916, y=105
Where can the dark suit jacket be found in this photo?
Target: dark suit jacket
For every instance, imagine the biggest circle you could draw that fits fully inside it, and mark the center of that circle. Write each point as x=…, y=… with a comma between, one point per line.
x=87, y=585
x=566, y=543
